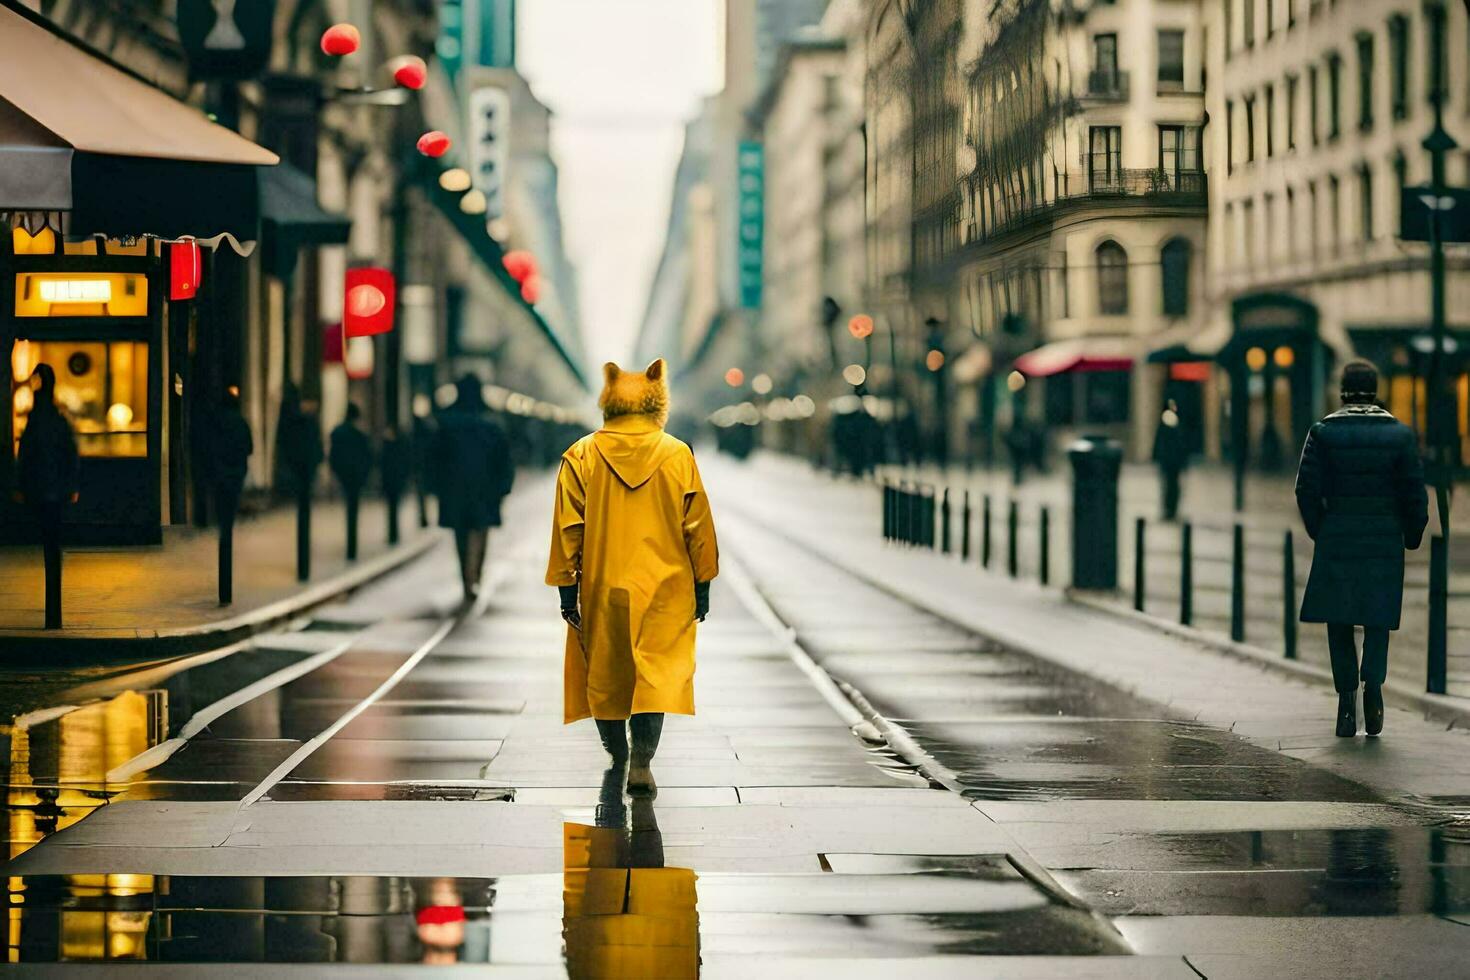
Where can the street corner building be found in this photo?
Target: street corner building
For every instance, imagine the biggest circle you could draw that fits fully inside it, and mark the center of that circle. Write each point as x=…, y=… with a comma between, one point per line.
x=632, y=526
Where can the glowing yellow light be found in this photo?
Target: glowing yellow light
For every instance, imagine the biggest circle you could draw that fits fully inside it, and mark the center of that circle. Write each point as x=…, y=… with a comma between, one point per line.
x=854, y=374
x=81, y=294
x=119, y=415
x=474, y=203
x=934, y=360
x=1015, y=381
x=761, y=384
x=25, y=399
x=1255, y=358
x=41, y=243
x=455, y=181
x=76, y=291
x=1284, y=357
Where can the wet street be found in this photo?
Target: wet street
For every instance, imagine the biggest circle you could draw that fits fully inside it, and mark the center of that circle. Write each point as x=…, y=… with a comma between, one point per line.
x=866, y=790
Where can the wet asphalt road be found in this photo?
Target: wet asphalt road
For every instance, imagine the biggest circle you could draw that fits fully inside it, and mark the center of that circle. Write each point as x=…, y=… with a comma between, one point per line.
x=386, y=784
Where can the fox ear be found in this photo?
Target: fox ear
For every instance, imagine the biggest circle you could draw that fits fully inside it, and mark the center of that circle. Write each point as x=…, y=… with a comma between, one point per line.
x=611, y=372
x=655, y=370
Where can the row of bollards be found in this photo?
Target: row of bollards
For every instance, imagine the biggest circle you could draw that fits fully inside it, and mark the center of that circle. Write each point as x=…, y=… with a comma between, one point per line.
x=910, y=514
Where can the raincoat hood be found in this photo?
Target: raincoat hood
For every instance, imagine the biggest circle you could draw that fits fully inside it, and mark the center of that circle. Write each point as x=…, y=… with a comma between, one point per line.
x=634, y=447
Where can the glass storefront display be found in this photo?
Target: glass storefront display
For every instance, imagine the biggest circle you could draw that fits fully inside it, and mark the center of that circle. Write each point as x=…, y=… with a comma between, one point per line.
x=101, y=385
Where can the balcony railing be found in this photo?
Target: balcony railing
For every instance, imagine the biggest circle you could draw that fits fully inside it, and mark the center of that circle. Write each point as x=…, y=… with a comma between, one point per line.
x=1108, y=83
x=1133, y=183
x=1180, y=188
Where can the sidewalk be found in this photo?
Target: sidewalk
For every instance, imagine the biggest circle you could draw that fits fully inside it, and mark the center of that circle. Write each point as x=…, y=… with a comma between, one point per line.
x=839, y=521
x=136, y=600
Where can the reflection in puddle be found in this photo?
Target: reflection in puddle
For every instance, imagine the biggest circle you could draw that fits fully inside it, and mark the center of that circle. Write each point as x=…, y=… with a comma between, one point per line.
x=624, y=913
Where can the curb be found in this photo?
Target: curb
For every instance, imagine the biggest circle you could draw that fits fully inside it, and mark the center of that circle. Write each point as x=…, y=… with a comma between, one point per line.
x=1454, y=712
x=37, y=648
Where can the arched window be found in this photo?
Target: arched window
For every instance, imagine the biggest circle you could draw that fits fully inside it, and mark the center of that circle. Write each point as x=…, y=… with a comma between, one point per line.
x=1174, y=263
x=1112, y=278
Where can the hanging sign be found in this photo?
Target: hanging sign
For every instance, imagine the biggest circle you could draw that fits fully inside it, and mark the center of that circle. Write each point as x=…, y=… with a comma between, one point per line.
x=186, y=270
x=368, y=302
x=489, y=136
x=752, y=222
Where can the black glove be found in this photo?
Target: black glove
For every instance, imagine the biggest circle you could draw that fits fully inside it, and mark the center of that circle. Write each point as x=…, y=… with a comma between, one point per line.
x=569, y=610
x=701, y=600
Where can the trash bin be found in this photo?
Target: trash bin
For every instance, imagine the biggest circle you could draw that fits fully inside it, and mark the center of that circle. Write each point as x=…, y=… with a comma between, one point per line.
x=1096, y=462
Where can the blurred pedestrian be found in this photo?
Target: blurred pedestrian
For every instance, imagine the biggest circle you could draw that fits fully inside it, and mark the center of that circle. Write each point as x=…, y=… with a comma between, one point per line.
x=228, y=451
x=351, y=461
x=1171, y=454
x=472, y=472
x=1360, y=490
x=48, y=472
x=395, y=461
x=422, y=443
x=299, y=452
x=633, y=552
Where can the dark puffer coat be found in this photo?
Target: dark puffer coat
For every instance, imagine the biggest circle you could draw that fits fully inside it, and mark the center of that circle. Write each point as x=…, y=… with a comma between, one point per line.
x=470, y=465
x=1360, y=490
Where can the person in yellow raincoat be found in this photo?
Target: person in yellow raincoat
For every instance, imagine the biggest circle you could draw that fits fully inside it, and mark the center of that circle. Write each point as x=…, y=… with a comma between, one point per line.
x=633, y=552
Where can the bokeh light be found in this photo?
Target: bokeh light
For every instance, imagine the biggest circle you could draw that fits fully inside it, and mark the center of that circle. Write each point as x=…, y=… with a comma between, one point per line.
x=854, y=374
x=734, y=377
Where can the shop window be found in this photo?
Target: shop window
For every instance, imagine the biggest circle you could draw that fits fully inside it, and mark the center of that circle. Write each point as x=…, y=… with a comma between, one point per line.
x=1174, y=263
x=1106, y=397
x=1112, y=278
x=102, y=387
x=1060, y=400
x=77, y=294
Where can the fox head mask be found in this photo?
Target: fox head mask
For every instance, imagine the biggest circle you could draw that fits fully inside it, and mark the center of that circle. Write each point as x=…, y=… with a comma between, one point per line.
x=643, y=392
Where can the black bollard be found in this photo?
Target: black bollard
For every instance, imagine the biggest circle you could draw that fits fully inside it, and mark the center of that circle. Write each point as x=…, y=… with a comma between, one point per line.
x=1438, y=661
x=1013, y=530
x=985, y=534
x=965, y=529
x=392, y=520
x=51, y=555
x=303, y=536
x=350, y=508
x=887, y=510
x=928, y=517
x=226, y=572
x=1186, y=573
x=1044, y=562
x=1288, y=596
x=1139, y=530
x=944, y=523
x=1096, y=462
x=1237, y=586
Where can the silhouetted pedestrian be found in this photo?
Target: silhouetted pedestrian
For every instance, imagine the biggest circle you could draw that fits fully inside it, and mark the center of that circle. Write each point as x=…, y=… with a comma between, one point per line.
x=472, y=472
x=228, y=450
x=421, y=449
x=299, y=450
x=1171, y=453
x=396, y=465
x=351, y=460
x=1360, y=489
x=49, y=477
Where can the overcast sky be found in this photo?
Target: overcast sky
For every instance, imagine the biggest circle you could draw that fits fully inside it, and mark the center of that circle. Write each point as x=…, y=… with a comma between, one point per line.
x=621, y=77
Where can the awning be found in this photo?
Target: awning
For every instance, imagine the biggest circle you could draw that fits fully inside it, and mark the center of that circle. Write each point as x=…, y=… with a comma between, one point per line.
x=290, y=217
x=81, y=135
x=1077, y=355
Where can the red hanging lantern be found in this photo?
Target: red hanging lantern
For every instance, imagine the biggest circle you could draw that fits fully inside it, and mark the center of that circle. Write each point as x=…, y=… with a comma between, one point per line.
x=340, y=39
x=410, y=71
x=734, y=377
x=531, y=289
x=367, y=308
x=186, y=270
x=520, y=264
x=433, y=143
x=860, y=326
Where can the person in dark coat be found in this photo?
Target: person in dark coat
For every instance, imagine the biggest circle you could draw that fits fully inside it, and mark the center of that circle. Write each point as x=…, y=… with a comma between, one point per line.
x=396, y=465
x=472, y=472
x=228, y=451
x=49, y=477
x=351, y=460
x=422, y=445
x=1360, y=490
x=299, y=452
x=1171, y=454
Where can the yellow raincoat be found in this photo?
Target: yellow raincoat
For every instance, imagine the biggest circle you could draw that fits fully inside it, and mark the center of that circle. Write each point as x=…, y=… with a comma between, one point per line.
x=632, y=522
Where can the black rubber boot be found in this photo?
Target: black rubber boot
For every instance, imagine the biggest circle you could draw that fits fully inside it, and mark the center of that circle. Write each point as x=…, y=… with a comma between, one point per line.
x=1347, y=715
x=614, y=736
x=1372, y=709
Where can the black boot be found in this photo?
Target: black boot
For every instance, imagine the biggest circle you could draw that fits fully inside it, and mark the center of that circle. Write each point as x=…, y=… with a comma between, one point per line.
x=614, y=737
x=1372, y=708
x=1347, y=714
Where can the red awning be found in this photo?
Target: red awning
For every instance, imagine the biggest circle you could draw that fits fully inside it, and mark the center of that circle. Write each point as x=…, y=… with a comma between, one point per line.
x=1076, y=355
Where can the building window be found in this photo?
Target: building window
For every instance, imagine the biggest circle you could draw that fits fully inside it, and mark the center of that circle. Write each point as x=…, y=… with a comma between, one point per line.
x=1291, y=85
x=1290, y=14
x=1334, y=95
x=1248, y=221
x=1105, y=60
x=1400, y=180
x=1365, y=201
x=1438, y=69
x=1248, y=23
x=1365, y=81
x=1229, y=136
x=1291, y=228
x=1105, y=158
x=1171, y=61
x=1270, y=18
x=1174, y=264
x=1270, y=120
x=1178, y=153
x=1334, y=213
x=1312, y=104
x=1229, y=7
x=1112, y=278
x=1313, y=228
x=1250, y=128
x=1398, y=54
